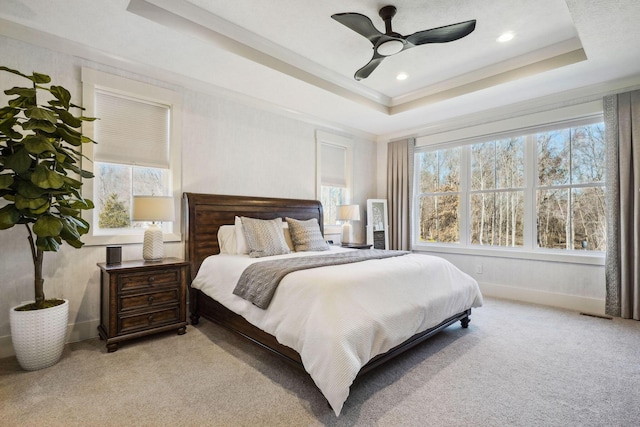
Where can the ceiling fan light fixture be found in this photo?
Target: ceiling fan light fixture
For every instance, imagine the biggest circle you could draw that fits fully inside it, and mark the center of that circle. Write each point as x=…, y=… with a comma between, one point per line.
x=505, y=37
x=390, y=47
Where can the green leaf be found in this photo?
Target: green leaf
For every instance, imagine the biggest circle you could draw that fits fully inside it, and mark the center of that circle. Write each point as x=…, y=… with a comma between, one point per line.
x=26, y=92
x=81, y=204
x=69, y=230
x=73, y=137
x=43, y=177
x=48, y=244
x=43, y=125
x=8, y=111
x=72, y=182
x=38, y=113
x=28, y=190
x=81, y=225
x=30, y=202
x=48, y=226
x=9, y=216
x=38, y=144
x=3, y=68
x=62, y=95
x=5, y=181
x=69, y=119
x=20, y=161
x=39, y=78
x=42, y=209
x=21, y=102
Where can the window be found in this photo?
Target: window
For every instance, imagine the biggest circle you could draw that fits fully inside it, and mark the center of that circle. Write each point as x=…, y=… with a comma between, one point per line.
x=137, y=153
x=334, y=166
x=570, y=193
x=439, y=189
x=540, y=190
x=497, y=192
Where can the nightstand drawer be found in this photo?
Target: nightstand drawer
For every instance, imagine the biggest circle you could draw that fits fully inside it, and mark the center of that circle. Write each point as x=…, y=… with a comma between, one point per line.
x=149, y=319
x=149, y=299
x=137, y=281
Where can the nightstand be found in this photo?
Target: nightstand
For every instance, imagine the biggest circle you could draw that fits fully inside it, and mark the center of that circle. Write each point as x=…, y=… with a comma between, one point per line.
x=140, y=298
x=356, y=245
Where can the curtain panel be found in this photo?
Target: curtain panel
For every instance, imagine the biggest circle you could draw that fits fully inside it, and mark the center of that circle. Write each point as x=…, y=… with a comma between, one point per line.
x=622, y=121
x=399, y=183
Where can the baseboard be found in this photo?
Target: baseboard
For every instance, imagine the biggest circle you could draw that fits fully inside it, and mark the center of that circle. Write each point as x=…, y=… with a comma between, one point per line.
x=75, y=332
x=569, y=302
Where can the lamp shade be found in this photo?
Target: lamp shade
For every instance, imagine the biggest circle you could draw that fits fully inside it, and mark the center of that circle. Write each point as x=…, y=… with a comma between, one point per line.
x=348, y=213
x=153, y=208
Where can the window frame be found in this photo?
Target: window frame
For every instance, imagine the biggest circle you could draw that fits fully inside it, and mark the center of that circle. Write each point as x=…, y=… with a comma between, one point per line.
x=581, y=114
x=92, y=80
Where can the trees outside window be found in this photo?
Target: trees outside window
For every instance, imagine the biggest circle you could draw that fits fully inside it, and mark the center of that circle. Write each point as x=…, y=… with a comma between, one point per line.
x=570, y=194
x=543, y=191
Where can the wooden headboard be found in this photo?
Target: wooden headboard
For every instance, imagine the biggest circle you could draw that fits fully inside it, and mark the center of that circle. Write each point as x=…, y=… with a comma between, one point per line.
x=203, y=214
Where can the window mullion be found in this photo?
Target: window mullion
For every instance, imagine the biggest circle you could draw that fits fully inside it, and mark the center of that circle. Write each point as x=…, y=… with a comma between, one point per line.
x=531, y=184
x=465, y=200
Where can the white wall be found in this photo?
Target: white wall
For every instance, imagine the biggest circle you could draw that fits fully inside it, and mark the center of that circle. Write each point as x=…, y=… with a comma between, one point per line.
x=228, y=148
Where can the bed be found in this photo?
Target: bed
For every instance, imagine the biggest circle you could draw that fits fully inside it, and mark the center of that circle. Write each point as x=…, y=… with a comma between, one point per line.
x=312, y=348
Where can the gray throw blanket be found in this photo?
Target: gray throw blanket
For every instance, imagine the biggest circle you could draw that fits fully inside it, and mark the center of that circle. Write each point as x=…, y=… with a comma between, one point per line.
x=260, y=280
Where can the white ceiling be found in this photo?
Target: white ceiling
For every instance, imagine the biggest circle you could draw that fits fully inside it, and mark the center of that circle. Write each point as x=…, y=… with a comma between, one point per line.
x=290, y=55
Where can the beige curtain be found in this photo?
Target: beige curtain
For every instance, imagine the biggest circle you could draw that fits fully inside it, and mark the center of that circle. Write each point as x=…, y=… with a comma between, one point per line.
x=399, y=178
x=622, y=121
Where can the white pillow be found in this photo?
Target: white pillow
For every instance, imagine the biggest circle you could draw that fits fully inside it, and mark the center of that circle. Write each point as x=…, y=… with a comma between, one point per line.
x=242, y=248
x=287, y=236
x=227, y=240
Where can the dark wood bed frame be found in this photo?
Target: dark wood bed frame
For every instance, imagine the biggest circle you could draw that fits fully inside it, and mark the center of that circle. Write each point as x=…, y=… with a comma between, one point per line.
x=203, y=214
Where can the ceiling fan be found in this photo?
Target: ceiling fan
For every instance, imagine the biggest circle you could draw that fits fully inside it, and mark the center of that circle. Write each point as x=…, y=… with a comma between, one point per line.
x=390, y=43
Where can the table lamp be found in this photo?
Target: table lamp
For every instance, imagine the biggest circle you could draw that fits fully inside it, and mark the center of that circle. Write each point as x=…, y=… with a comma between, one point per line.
x=347, y=213
x=153, y=208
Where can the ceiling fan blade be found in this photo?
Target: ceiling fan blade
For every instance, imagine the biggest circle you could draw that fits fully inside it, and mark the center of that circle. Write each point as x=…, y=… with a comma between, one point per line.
x=444, y=34
x=360, y=24
x=364, y=72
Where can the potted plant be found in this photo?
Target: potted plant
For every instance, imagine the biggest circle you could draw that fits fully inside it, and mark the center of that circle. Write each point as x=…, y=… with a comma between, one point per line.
x=40, y=182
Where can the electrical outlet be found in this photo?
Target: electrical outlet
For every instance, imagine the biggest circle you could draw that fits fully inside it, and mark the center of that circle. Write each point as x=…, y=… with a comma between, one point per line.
x=478, y=268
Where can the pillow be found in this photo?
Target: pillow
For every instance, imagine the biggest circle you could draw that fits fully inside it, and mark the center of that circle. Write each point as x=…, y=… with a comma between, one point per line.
x=287, y=236
x=264, y=237
x=227, y=239
x=306, y=235
x=241, y=246
x=241, y=242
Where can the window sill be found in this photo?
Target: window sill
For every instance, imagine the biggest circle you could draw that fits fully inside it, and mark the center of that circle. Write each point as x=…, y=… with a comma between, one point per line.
x=579, y=257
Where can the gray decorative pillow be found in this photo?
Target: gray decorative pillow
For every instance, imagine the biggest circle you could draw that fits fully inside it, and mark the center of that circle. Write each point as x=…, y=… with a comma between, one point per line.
x=264, y=237
x=306, y=235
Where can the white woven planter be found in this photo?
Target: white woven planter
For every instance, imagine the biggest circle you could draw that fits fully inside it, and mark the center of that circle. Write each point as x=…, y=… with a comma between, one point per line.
x=38, y=336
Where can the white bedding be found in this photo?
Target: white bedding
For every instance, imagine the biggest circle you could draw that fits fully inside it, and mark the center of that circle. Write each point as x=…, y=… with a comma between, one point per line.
x=338, y=318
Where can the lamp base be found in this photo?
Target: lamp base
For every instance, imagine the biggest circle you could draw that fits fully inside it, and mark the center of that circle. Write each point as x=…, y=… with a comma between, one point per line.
x=346, y=233
x=153, y=247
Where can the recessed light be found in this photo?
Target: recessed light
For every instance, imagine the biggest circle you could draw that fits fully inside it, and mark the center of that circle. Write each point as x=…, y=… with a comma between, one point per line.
x=402, y=76
x=506, y=37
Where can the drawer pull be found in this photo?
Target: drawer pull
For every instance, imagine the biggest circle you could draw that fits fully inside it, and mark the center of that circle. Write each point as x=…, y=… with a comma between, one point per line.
x=151, y=279
x=150, y=300
x=150, y=318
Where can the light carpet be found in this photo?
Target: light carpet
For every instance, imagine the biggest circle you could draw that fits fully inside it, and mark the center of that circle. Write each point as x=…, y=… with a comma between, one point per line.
x=516, y=365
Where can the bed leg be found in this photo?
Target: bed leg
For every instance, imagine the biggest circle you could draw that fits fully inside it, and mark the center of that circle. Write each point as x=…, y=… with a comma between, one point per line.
x=195, y=318
x=465, y=322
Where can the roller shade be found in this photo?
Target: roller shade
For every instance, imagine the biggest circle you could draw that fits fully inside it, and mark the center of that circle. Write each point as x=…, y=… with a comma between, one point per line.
x=131, y=131
x=333, y=171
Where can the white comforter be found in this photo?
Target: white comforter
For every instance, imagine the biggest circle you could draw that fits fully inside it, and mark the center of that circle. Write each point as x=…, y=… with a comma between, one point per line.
x=338, y=318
